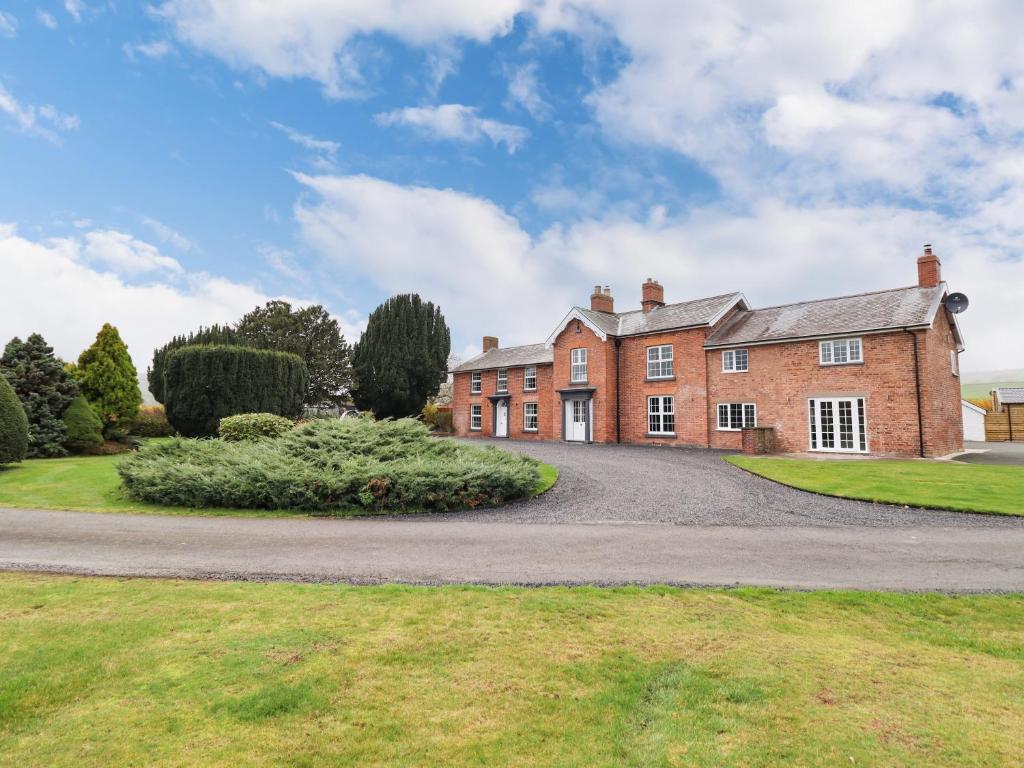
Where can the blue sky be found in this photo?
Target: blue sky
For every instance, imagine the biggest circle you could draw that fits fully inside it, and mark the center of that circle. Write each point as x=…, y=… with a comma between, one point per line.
x=174, y=163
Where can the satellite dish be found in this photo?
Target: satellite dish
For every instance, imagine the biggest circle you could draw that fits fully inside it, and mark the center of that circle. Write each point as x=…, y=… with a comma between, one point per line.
x=956, y=303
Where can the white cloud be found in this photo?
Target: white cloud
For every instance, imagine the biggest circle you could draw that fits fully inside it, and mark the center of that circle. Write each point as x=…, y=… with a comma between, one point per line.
x=169, y=235
x=44, y=121
x=46, y=19
x=157, y=49
x=456, y=122
x=913, y=97
x=124, y=254
x=323, y=147
x=78, y=299
x=490, y=276
x=524, y=89
x=462, y=252
x=8, y=24
x=75, y=9
x=314, y=38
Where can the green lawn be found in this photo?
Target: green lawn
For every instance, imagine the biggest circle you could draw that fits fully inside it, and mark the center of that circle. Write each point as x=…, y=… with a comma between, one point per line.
x=939, y=485
x=91, y=484
x=100, y=672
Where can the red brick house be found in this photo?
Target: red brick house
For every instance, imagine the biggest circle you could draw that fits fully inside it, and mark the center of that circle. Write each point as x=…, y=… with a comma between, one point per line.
x=872, y=373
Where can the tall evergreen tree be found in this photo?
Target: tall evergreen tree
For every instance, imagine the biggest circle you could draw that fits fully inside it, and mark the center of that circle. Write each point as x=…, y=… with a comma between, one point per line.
x=109, y=381
x=401, y=359
x=215, y=334
x=312, y=334
x=45, y=390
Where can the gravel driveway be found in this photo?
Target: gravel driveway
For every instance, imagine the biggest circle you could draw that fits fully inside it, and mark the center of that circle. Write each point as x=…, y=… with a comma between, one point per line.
x=691, y=486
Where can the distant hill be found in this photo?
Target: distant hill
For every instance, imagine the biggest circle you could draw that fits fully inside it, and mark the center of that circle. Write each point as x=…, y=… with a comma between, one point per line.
x=981, y=383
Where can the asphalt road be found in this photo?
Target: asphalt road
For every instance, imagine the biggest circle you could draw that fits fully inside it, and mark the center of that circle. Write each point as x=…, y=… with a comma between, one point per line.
x=440, y=552
x=618, y=515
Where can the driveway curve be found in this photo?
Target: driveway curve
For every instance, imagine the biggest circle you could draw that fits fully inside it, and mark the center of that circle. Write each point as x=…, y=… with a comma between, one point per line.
x=618, y=515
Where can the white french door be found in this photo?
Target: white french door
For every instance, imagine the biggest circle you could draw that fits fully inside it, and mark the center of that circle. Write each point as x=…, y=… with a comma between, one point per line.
x=838, y=424
x=576, y=420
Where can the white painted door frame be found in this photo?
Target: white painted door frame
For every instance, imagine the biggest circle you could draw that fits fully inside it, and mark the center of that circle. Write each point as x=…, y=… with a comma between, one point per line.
x=838, y=424
x=501, y=418
x=576, y=419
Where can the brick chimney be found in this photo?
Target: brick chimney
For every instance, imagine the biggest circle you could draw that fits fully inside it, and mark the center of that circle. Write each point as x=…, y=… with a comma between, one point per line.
x=490, y=342
x=653, y=295
x=929, y=269
x=601, y=301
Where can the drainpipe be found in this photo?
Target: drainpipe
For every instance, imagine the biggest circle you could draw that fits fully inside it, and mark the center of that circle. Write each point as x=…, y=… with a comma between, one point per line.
x=618, y=420
x=707, y=398
x=917, y=389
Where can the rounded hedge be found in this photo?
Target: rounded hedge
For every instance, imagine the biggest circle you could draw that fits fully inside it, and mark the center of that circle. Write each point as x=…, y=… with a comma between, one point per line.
x=338, y=465
x=203, y=384
x=13, y=425
x=253, y=426
x=151, y=421
x=84, y=427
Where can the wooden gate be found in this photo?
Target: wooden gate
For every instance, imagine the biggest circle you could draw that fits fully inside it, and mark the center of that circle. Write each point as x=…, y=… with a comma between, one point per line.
x=1007, y=424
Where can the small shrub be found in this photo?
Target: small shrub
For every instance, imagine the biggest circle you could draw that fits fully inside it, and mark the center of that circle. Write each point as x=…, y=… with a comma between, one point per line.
x=152, y=422
x=84, y=427
x=13, y=425
x=342, y=464
x=253, y=426
x=982, y=402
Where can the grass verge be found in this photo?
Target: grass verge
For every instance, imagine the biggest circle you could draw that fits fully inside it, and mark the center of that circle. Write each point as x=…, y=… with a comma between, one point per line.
x=119, y=672
x=91, y=484
x=935, y=485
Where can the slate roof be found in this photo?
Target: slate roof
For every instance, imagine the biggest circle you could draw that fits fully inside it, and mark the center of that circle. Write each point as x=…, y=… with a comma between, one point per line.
x=1010, y=395
x=508, y=357
x=685, y=314
x=861, y=313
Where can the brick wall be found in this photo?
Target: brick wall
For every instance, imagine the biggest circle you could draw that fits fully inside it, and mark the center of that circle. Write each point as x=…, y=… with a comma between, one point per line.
x=686, y=387
x=940, y=390
x=545, y=397
x=600, y=375
x=782, y=377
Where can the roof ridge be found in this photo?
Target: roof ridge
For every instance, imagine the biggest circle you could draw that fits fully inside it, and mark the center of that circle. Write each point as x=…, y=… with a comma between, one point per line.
x=663, y=306
x=846, y=296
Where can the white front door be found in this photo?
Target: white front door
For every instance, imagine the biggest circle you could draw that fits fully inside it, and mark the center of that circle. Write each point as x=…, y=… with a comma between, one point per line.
x=501, y=419
x=576, y=420
x=838, y=424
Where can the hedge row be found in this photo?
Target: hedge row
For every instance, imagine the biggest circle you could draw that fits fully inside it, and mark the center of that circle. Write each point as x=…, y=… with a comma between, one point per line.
x=329, y=466
x=203, y=384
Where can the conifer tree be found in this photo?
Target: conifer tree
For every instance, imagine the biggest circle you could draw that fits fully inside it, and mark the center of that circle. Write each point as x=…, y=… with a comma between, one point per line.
x=45, y=390
x=13, y=425
x=109, y=381
x=401, y=359
x=215, y=334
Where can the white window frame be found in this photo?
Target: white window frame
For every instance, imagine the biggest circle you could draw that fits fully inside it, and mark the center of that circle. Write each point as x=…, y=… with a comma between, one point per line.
x=502, y=374
x=476, y=382
x=745, y=408
x=954, y=364
x=730, y=362
x=476, y=416
x=578, y=362
x=530, y=372
x=656, y=408
x=828, y=349
x=658, y=361
x=527, y=415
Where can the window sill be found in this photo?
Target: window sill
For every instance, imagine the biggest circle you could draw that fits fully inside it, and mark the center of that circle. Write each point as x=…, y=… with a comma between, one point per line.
x=840, y=365
x=476, y=429
x=746, y=370
x=476, y=392
x=732, y=429
x=529, y=389
x=656, y=379
x=584, y=383
x=529, y=430
x=660, y=434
